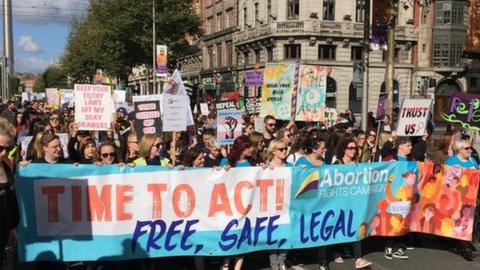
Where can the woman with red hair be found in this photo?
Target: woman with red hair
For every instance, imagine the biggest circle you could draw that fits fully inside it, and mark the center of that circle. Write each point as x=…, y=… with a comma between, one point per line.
x=240, y=153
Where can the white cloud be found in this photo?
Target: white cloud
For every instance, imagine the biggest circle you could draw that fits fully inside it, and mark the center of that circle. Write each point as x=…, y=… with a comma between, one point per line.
x=48, y=11
x=27, y=44
x=31, y=64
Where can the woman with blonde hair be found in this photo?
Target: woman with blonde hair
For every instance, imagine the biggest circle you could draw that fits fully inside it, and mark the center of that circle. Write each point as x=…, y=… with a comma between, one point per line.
x=276, y=157
x=149, y=151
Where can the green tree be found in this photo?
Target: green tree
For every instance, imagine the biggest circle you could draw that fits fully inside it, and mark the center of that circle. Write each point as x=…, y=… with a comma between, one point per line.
x=39, y=85
x=116, y=36
x=52, y=77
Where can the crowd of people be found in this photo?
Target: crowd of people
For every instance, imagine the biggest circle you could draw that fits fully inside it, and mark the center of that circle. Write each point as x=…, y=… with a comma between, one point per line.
x=278, y=144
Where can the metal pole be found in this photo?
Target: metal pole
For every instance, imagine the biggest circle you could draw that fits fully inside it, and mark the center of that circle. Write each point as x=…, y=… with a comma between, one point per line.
x=366, y=54
x=7, y=46
x=154, y=45
x=390, y=69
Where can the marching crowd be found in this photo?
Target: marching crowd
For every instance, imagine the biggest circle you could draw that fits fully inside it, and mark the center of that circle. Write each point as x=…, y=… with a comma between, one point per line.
x=279, y=144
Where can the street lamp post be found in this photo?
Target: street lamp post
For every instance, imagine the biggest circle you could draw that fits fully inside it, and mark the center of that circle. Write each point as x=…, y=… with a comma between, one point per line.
x=365, y=60
x=154, y=44
x=390, y=69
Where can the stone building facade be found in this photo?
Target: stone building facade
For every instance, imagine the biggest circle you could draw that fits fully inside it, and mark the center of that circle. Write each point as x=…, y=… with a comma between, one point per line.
x=327, y=33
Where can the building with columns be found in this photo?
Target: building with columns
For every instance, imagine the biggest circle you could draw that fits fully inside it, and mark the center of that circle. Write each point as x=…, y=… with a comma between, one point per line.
x=327, y=33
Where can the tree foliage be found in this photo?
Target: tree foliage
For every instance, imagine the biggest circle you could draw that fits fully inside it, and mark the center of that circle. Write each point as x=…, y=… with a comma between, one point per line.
x=52, y=77
x=116, y=36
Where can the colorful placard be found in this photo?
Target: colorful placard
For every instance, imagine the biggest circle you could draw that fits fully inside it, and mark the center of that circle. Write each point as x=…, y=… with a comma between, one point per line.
x=229, y=126
x=464, y=110
x=161, y=61
x=413, y=117
x=277, y=90
x=253, y=78
x=311, y=93
x=93, y=109
x=52, y=96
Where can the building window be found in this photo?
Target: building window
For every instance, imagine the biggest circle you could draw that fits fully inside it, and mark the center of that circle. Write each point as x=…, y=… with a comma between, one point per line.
x=473, y=82
x=269, y=10
x=210, y=57
x=229, y=18
x=360, y=11
x=269, y=54
x=245, y=17
x=229, y=53
x=210, y=25
x=292, y=51
x=219, y=22
x=256, y=15
x=446, y=54
x=326, y=52
x=246, y=58
x=329, y=10
x=397, y=54
x=424, y=48
x=357, y=53
x=257, y=56
x=219, y=55
x=293, y=9
x=450, y=13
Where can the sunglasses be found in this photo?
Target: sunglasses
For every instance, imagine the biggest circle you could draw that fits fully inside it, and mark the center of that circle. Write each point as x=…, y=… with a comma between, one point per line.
x=7, y=148
x=54, y=118
x=282, y=149
x=468, y=148
x=351, y=148
x=271, y=125
x=373, y=135
x=106, y=155
x=158, y=145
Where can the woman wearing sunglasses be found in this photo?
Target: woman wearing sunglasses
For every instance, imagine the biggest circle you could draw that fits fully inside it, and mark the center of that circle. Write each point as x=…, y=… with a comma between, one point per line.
x=108, y=153
x=347, y=153
x=149, y=151
x=9, y=214
x=462, y=157
x=276, y=158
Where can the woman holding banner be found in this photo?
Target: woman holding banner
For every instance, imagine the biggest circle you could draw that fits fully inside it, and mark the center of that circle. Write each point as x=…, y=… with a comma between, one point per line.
x=463, y=157
x=347, y=153
x=276, y=158
x=239, y=156
x=149, y=151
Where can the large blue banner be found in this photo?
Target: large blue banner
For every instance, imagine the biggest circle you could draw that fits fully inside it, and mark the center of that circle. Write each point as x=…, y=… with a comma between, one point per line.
x=93, y=212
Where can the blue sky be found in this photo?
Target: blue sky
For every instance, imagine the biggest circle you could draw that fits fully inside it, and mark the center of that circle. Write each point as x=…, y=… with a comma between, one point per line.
x=40, y=31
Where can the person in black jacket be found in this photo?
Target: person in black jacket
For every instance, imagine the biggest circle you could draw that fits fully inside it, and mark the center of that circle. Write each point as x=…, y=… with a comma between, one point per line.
x=9, y=215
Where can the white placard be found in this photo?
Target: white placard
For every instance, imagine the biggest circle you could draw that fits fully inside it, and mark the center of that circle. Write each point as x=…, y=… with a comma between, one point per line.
x=174, y=117
x=204, y=108
x=413, y=117
x=119, y=95
x=67, y=98
x=93, y=109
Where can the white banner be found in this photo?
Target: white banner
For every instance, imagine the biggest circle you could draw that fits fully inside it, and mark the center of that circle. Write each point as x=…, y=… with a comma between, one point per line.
x=93, y=107
x=112, y=204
